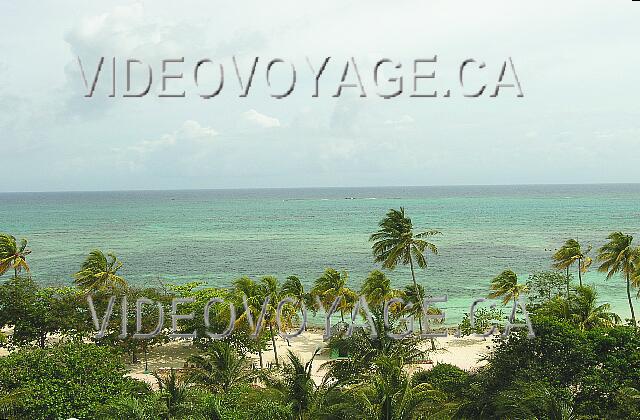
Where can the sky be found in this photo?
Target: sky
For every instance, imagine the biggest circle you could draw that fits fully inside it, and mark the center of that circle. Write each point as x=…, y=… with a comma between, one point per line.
x=577, y=63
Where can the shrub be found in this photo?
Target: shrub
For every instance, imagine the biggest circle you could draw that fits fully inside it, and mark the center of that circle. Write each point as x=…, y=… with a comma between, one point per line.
x=443, y=376
x=66, y=380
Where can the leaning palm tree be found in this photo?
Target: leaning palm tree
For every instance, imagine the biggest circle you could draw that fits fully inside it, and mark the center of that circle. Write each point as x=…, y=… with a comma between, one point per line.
x=99, y=272
x=331, y=285
x=395, y=243
x=570, y=253
x=618, y=256
x=506, y=285
x=12, y=255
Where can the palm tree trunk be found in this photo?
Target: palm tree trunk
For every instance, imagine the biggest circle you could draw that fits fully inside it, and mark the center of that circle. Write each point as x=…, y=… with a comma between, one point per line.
x=415, y=285
x=567, y=282
x=387, y=408
x=260, y=357
x=580, y=271
x=15, y=271
x=633, y=314
x=273, y=342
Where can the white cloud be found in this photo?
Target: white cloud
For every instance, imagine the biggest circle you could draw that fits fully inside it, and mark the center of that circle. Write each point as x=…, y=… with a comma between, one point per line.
x=256, y=118
x=577, y=101
x=190, y=132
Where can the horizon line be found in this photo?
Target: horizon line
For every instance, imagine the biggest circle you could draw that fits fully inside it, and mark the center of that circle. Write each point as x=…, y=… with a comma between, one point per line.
x=316, y=187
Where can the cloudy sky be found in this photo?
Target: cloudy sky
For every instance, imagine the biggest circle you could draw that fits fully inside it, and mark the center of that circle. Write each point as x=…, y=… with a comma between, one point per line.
x=577, y=62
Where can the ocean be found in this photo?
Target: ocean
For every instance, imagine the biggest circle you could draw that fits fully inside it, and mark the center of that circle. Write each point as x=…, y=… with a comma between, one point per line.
x=215, y=236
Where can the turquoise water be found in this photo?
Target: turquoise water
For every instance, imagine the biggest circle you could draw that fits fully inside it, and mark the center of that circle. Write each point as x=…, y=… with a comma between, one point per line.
x=218, y=235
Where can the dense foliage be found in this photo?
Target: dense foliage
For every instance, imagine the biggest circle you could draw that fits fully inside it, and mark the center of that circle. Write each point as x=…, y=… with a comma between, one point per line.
x=583, y=363
x=62, y=381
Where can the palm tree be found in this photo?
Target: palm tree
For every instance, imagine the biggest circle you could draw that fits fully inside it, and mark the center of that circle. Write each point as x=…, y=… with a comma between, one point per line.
x=412, y=295
x=269, y=287
x=293, y=287
x=587, y=314
x=581, y=309
x=132, y=408
x=331, y=285
x=256, y=294
x=365, y=350
x=247, y=287
x=11, y=402
x=396, y=243
x=618, y=256
x=176, y=394
x=377, y=289
x=221, y=367
x=12, y=255
x=569, y=253
x=297, y=385
x=527, y=400
x=506, y=285
x=387, y=393
x=100, y=272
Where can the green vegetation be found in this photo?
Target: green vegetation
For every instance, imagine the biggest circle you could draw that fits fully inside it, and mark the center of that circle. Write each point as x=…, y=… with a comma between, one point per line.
x=506, y=286
x=13, y=255
x=63, y=380
x=99, y=273
x=570, y=253
x=395, y=243
x=618, y=256
x=583, y=362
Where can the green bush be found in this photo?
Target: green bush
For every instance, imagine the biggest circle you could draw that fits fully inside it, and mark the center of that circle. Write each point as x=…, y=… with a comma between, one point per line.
x=483, y=320
x=66, y=380
x=443, y=376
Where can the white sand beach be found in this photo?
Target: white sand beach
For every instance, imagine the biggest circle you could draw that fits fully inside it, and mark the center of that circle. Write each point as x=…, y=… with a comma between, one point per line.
x=465, y=352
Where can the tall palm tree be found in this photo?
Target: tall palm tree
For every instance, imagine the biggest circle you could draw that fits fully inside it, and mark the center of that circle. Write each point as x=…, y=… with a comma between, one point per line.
x=100, y=272
x=270, y=287
x=256, y=294
x=506, y=285
x=570, y=253
x=618, y=256
x=395, y=242
x=12, y=255
x=333, y=284
x=221, y=367
x=247, y=287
